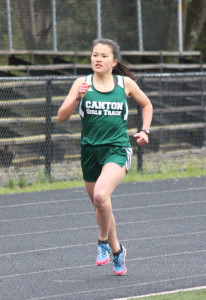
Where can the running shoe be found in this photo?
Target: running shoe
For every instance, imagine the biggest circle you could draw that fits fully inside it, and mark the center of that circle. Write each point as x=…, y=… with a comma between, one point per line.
x=103, y=256
x=119, y=263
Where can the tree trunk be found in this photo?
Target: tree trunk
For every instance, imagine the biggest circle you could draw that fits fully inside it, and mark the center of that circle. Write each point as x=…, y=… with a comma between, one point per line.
x=196, y=18
x=45, y=27
x=35, y=22
x=23, y=10
x=185, y=6
x=172, y=40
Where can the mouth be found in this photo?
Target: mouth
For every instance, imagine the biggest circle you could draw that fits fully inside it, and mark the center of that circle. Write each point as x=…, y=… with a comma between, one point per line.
x=98, y=66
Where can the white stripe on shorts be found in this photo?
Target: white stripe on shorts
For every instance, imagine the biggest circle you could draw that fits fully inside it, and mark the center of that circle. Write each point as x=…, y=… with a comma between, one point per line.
x=129, y=157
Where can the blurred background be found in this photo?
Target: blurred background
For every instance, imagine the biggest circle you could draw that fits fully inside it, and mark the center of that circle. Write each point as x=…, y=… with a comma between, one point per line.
x=73, y=24
x=46, y=44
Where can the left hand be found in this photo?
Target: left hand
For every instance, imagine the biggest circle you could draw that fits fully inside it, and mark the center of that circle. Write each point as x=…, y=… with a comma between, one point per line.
x=142, y=138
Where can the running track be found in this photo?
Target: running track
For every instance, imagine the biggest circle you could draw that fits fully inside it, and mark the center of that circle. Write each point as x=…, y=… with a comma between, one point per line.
x=48, y=242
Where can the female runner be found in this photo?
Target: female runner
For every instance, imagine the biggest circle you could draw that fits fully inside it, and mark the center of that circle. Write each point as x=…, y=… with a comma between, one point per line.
x=105, y=147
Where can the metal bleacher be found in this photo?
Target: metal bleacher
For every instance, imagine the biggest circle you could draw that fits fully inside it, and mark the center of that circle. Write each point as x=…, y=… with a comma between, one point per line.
x=29, y=127
x=28, y=62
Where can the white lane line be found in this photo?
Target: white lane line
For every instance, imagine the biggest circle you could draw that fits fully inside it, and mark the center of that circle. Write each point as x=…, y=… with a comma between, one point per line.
x=44, y=202
x=164, y=293
x=95, y=226
x=89, y=244
x=119, y=287
x=50, y=231
x=164, y=236
x=47, y=216
x=94, y=265
x=113, y=196
x=116, y=209
x=167, y=255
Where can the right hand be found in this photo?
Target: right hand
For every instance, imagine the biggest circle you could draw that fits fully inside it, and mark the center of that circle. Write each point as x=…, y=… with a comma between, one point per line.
x=82, y=89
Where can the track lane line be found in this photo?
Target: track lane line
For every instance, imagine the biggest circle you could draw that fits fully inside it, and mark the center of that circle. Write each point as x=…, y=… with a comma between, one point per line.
x=87, y=198
x=89, y=244
x=116, y=209
x=120, y=287
x=164, y=293
x=94, y=265
x=96, y=226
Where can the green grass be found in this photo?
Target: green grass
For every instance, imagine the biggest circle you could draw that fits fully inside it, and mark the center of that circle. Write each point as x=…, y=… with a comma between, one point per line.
x=41, y=187
x=189, y=172
x=199, y=294
x=43, y=182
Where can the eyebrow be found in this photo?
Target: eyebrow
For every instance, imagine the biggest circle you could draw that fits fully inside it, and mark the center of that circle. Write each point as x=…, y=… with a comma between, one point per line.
x=100, y=53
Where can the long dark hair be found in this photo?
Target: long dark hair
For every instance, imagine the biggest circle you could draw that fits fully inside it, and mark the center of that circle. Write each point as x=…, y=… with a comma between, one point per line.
x=121, y=67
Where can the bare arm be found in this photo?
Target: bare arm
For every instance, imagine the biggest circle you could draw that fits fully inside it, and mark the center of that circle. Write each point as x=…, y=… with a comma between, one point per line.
x=132, y=90
x=77, y=92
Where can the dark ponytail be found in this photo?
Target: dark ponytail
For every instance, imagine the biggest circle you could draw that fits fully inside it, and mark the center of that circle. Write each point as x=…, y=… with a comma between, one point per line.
x=121, y=67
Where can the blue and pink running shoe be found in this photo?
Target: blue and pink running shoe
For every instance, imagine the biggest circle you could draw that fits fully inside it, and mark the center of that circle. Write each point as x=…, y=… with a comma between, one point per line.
x=103, y=256
x=119, y=263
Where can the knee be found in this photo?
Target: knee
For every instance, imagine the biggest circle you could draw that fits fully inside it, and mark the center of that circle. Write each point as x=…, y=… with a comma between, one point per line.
x=100, y=199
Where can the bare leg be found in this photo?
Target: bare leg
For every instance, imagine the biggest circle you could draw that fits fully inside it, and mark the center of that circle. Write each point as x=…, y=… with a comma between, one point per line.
x=112, y=237
x=100, y=193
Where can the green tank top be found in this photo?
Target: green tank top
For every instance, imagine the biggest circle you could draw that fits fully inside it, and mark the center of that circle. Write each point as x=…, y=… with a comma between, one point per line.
x=104, y=116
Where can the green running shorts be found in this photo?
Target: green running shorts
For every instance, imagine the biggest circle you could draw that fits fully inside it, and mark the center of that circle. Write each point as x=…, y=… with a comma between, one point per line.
x=93, y=158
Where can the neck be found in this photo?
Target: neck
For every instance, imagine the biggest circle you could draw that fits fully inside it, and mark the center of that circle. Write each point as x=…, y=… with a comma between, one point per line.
x=103, y=77
x=103, y=82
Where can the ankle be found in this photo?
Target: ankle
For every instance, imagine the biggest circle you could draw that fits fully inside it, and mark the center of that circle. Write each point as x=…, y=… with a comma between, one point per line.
x=100, y=242
x=118, y=252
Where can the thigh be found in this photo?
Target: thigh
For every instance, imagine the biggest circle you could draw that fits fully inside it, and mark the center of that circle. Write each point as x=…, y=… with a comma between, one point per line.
x=90, y=189
x=111, y=175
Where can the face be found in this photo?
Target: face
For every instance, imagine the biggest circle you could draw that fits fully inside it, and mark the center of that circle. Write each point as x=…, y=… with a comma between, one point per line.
x=102, y=59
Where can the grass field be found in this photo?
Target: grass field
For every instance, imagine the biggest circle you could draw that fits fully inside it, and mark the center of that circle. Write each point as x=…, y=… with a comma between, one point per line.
x=43, y=183
x=196, y=294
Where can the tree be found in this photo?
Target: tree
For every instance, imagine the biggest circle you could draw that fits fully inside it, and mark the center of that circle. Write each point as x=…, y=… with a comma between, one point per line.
x=77, y=24
x=35, y=19
x=194, y=22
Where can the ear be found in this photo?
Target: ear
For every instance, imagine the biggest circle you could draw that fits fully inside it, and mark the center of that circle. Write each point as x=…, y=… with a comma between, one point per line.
x=115, y=62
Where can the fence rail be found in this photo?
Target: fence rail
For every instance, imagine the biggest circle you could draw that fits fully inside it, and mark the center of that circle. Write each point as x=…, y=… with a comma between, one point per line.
x=68, y=62
x=32, y=141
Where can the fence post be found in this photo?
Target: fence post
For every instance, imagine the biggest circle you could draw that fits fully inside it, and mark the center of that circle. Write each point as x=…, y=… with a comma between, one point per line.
x=179, y=12
x=139, y=24
x=48, y=142
x=139, y=148
x=8, y=6
x=99, y=21
x=204, y=109
x=54, y=25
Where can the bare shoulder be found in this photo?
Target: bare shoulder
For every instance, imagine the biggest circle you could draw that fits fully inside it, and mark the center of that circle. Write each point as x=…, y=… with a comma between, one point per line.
x=75, y=86
x=130, y=85
x=80, y=80
x=129, y=81
x=77, y=83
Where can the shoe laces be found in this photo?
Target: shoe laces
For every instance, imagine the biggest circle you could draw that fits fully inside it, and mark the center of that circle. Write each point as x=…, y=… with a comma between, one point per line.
x=118, y=261
x=102, y=250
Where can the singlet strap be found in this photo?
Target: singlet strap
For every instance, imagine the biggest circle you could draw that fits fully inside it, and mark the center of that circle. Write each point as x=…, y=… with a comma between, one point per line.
x=120, y=81
x=88, y=80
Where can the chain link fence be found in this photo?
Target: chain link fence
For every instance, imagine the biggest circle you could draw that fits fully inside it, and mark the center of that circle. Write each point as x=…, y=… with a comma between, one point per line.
x=73, y=24
x=32, y=141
